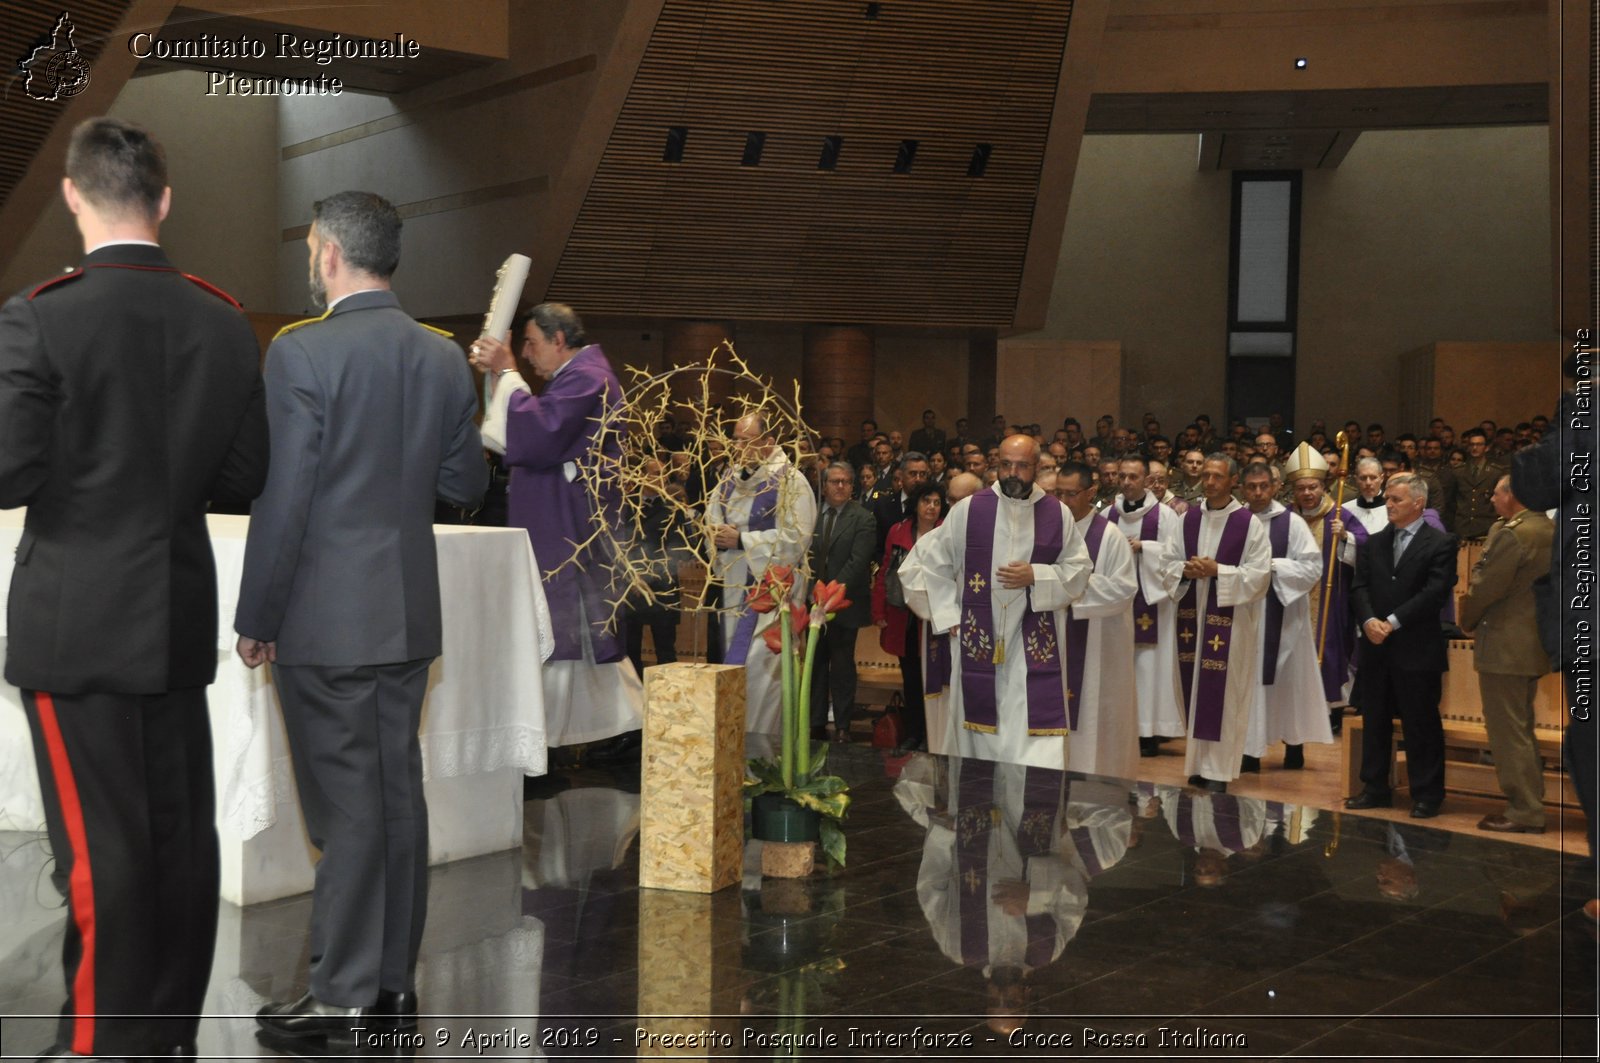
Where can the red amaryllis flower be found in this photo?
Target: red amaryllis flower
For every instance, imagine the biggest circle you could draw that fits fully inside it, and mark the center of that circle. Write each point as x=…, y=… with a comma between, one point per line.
x=829, y=596
x=773, y=586
x=798, y=616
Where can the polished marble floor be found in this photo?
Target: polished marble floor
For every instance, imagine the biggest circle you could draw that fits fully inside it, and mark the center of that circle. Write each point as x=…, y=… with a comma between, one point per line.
x=985, y=911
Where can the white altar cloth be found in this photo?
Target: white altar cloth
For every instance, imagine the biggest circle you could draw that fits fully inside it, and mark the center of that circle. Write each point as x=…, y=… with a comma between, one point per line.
x=483, y=724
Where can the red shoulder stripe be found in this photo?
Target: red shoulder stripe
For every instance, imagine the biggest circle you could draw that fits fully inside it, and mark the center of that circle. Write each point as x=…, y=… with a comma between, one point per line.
x=53, y=281
x=214, y=290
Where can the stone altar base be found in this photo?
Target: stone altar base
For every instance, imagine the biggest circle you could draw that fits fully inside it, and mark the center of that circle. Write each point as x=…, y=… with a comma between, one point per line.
x=691, y=809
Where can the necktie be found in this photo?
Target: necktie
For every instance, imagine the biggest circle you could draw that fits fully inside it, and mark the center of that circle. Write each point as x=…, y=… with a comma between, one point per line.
x=827, y=538
x=1401, y=540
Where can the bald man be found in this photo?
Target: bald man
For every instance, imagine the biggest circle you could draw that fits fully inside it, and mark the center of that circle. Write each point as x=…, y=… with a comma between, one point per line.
x=761, y=514
x=1000, y=576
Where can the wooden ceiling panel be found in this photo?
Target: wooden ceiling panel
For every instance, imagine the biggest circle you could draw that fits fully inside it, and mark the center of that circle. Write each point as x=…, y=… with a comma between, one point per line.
x=782, y=240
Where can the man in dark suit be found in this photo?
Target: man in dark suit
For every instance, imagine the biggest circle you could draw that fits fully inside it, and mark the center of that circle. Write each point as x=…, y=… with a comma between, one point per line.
x=841, y=552
x=372, y=418
x=929, y=439
x=1404, y=575
x=130, y=399
x=887, y=505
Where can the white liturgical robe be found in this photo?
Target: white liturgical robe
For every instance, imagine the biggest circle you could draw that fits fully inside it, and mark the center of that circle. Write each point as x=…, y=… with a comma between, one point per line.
x=933, y=578
x=785, y=543
x=1159, y=565
x=1241, y=586
x=1292, y=708
x=1106, y=738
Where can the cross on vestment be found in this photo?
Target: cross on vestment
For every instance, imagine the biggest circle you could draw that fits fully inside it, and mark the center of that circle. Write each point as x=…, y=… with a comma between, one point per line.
x=977, y=583
x=1216, y=643
x=1186, y=636
x=972, y=880
x=1145, y=623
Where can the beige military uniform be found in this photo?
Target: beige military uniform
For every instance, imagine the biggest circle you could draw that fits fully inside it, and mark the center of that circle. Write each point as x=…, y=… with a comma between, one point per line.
x=1474, y=498
x=1498, y=610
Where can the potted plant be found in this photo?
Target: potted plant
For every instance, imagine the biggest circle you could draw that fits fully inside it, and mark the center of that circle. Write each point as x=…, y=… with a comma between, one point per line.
x=792, y=802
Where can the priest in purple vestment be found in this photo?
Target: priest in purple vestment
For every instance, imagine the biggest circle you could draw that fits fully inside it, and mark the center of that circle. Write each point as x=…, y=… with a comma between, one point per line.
x=558, y=445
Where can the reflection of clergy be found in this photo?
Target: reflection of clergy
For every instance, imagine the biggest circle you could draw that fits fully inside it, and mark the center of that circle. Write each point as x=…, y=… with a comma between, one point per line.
x=557, y=448
x=1215, y=826
x=1289, y=704
x=1000, y=576
x=761, y=514
x=1229, y=567
x=1100, y=685
x=1000, y=891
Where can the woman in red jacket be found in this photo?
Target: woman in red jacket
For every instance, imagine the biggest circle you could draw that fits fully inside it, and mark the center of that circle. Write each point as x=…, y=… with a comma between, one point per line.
x=899, y=630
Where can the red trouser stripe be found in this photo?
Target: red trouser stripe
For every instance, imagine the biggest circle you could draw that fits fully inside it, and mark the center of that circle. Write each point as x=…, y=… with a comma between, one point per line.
x=81, y=880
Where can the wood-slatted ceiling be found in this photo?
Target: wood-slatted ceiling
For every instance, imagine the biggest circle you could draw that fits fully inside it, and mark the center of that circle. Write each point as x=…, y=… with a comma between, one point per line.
x=708, y=237
x=27, y=121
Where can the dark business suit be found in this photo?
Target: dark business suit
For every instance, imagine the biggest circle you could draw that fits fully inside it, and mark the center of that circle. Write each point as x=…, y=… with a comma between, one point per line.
x=372, y=419
x=129, y=399
x=845, y=558
x=1403, y=675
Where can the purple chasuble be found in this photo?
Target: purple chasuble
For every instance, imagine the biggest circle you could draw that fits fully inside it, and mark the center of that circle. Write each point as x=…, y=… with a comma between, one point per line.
x=1078, y=630
x=1278, y=536
x=763, y=517
x=569, y=421
x=978, y=817
x=1047, y=708
x=1205, y=704
x=1144, y=614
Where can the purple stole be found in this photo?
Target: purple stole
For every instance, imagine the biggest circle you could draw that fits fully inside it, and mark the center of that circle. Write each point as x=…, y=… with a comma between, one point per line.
x=978, y=817
x=1078, y=630
x=1278, y=536
x=763, y=517
x=980, y=642
x=1205, y=704
x=1144, y=614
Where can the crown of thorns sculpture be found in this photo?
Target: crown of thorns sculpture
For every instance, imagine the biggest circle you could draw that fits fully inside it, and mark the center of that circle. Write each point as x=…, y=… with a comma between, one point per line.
x=623, y=481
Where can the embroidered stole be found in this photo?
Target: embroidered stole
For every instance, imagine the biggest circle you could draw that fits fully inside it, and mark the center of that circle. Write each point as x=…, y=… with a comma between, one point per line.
x=1204, y=705
x=982, y=647
x=1144, y=614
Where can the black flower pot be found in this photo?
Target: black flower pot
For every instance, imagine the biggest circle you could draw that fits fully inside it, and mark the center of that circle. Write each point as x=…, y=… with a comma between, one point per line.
x=776, y=818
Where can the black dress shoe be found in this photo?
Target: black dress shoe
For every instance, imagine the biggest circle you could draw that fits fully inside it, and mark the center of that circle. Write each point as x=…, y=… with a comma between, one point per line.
x=1424, y=809
x=819, y=734
x=1294, y=757
x=1149, y=747
x=1197, y=780
x=622, y=749
x=1216, y=786
x=1249, y=763
x=1368, y=799
x=399, y=1007
x=310, y=1017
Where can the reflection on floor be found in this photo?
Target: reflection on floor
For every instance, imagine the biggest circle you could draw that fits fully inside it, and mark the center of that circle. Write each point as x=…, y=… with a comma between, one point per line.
x=985, y=910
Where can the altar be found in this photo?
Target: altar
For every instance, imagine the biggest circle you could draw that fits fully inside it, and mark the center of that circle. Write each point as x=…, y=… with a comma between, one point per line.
x=483, y=724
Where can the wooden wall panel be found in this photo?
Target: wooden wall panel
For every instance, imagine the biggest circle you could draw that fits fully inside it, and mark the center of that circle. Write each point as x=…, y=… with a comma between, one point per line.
x=785, y=241
x=1046, y=380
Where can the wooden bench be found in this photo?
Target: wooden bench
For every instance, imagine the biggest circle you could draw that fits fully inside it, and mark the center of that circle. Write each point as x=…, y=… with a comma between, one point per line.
x=1464, y=770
